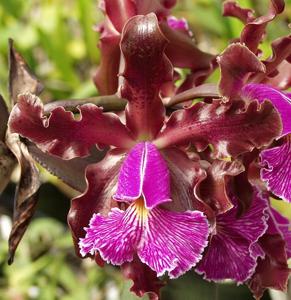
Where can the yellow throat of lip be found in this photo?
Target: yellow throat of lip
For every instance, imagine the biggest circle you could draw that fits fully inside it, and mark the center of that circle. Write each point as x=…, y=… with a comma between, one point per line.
x=140, y=208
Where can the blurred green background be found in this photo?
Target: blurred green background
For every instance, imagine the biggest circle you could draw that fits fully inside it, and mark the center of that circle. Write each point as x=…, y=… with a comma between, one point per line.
x=57, y=39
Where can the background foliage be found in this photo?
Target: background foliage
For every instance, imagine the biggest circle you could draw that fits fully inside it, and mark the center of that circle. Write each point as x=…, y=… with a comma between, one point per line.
x=57, y=39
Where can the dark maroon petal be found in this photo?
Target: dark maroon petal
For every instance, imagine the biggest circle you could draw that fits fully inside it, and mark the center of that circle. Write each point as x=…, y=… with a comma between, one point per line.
x=106, y=78
x=146, y=69
x=183, y=52
x=280, y=100
x=21, y=79
x=277, y=173
x=230, y=129
x=272, y=271
x=281, y=49
x=119, y=11
x=101, y=186
x=282, y=80
x=233, y=249
x=243, y=184
x=144, y=279
x=254, y=175
x=236, y=62
x=72, y=173
x=254, y=31
x=26, y=195
x=160, y=7
x=277, y=65
x=61, y=134
x=282, y=225
x=186, y=176
x=197, y=77
x=214, y=190
x=232, y=9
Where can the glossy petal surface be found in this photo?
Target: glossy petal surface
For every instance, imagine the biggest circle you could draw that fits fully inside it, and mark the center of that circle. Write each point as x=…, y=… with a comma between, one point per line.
x=232, y=130
x=144, y=173
x=277, y=173
x=146, y=69
x=62, y=135
x=215, y=189
x=233, y=250
x=236, y=62
x=164, y=240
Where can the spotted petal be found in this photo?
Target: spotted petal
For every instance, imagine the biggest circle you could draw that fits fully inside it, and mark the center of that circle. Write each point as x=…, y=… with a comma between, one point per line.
x=146, y=69
x=232, y=130
x=61, y=134
x=233, y=250
x=144, y=173
x=166, y=241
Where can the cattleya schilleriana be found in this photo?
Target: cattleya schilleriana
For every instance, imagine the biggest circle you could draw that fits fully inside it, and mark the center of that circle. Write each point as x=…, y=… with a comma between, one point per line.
x=182, y=189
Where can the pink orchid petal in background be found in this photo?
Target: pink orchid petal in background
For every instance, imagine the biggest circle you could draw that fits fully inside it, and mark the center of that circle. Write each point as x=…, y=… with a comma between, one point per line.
x=233, y=251
x=179, y=24
x=277, y=172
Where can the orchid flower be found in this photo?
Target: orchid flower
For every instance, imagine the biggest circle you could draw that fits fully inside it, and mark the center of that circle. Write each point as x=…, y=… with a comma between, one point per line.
x=173, y=191
x=146, y=224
